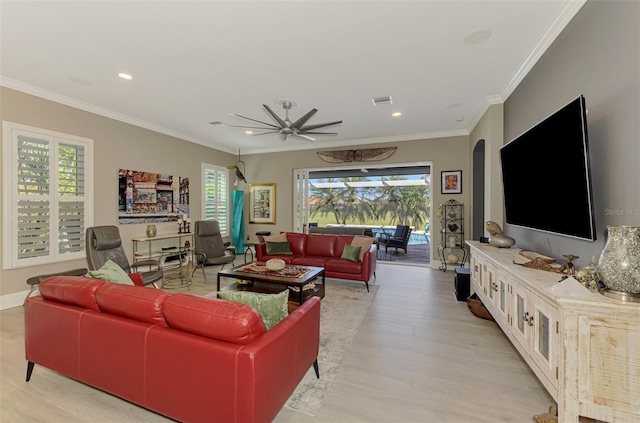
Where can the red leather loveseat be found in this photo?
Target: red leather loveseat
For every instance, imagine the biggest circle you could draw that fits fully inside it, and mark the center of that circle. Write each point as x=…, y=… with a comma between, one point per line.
x=323, y=250
x=193, y=359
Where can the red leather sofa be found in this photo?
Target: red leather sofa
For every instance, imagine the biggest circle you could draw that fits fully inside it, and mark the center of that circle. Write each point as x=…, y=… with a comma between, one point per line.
x=323, y=250
x=190, y=358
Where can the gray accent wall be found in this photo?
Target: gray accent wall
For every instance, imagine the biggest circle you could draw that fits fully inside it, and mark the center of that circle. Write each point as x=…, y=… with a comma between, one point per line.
x=597, y=55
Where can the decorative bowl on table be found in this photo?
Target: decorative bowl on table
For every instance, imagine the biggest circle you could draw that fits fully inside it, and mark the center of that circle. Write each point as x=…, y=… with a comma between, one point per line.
x=275, y=264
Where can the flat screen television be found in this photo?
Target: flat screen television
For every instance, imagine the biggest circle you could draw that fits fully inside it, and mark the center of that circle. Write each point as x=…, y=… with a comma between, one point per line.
x=546, y=175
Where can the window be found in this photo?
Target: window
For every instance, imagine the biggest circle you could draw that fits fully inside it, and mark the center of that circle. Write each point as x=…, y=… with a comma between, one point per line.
x=48, y=186
x=215, y=188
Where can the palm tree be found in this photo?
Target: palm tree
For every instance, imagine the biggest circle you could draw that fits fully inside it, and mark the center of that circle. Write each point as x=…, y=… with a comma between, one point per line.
x=356, y=206
x=347, y=204
x=325, y=201
x=404, y=204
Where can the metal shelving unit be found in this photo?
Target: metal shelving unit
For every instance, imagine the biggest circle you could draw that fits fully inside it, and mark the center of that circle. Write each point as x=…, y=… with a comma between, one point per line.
x=451, y=234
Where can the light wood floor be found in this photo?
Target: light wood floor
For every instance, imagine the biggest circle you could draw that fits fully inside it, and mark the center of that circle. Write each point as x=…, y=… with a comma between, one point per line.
x=419, y=356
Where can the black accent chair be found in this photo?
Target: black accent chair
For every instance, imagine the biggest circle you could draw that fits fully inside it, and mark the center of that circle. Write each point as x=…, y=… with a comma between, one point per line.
x=103, y=243
x=400, y=239
x=210, y=249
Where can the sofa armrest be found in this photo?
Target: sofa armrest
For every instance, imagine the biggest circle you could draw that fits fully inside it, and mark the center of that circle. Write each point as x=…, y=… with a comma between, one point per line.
x=261, y=250
x=269, y=369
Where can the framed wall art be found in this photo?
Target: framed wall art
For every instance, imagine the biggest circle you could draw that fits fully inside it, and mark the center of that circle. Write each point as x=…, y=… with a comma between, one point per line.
x=262, y=203
x=147, y=197
x=451, y=182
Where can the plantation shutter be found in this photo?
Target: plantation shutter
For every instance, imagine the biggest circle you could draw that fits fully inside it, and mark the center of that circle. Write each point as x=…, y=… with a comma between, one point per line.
x=34, y=199
x=71, y=209
x=216, y=196
x=47, y=182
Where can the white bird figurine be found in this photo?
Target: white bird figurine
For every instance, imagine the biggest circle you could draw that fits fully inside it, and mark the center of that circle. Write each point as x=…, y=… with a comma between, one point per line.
x=493, y=228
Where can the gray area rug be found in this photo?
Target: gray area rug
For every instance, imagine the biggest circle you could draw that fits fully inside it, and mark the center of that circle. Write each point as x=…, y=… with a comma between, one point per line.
x=342, y=311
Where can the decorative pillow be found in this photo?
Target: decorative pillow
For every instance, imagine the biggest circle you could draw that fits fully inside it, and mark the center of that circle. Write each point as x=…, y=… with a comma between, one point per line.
x=273, y=308
x=278, y=248
x=364, y=242
x=281, y=237
x=111, y=272
x=351, y=253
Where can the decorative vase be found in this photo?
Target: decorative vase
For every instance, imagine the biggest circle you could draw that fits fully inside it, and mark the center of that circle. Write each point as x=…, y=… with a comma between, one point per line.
x=619, y=264
x=452, y=242
x=151, y=231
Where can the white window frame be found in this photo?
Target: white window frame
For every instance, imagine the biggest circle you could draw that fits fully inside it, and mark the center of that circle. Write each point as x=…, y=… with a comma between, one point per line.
x=11, y=196
x=221, y=197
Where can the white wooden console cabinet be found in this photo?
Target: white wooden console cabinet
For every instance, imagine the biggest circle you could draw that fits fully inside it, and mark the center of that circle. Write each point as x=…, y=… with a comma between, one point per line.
x=584, y=347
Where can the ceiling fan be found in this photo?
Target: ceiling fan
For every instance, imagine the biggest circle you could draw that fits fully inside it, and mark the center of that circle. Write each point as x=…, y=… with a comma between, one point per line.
x=285, y=127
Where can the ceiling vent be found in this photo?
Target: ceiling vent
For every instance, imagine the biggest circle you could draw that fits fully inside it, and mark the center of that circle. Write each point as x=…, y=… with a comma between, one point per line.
x=378, y=101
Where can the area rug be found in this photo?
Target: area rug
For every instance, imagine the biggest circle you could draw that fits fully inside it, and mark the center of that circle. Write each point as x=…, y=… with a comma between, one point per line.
x=342, y=311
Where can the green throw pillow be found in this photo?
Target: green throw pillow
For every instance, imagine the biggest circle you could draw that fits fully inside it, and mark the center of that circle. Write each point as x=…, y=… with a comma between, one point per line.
x=272, y=308
x=111, y=272
x=351, y=253
x=278, y=248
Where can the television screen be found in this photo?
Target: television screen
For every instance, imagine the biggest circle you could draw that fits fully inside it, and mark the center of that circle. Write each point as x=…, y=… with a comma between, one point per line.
x=546, y=176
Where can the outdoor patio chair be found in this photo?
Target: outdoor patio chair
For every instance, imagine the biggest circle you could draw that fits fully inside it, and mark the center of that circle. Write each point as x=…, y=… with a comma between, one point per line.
x=400, y=239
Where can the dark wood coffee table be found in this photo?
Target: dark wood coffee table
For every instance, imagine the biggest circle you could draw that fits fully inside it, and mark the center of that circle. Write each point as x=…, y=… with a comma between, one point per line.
x=272, y=284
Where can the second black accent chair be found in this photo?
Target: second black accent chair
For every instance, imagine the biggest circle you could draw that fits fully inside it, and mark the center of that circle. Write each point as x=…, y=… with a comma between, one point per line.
x=210, y=249
x=400, y=239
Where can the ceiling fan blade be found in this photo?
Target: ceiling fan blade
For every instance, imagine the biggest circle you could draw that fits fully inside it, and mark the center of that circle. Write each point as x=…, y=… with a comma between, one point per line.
x=308, y=138
x=320, y=133
x=253, y=120
x=247, y=127
x=298, y=123
x=276, y=117
x=268, y=132
x=319, y=125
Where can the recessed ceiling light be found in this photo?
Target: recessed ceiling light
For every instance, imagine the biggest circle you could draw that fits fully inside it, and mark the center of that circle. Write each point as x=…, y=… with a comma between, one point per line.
x=477, y=37
x=454, y=105
x=125, y=76
x=396, y=114
x=459, y=119
x=248, y=132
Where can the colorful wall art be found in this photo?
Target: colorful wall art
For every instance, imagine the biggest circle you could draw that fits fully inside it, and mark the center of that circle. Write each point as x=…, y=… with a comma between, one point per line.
x=146, y=197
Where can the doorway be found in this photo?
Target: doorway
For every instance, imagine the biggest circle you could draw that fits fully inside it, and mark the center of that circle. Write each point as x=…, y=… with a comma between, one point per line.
x=478, y=191
x=375, y=197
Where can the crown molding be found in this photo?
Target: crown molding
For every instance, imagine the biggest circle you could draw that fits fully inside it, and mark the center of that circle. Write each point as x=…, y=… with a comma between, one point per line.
x=81, y=105
x=566, y=14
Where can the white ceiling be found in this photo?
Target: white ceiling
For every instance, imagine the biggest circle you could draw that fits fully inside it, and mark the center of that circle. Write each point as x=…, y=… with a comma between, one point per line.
x=194, y=62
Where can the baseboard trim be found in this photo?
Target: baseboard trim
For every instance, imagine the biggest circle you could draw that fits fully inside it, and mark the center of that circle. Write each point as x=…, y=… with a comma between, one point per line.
x=14, y=300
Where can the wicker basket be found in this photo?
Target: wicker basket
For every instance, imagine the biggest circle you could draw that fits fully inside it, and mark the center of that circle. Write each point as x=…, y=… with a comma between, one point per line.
x=477, y=308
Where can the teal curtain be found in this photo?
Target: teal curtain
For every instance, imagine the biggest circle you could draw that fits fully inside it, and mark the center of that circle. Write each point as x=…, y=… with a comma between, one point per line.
x=237, y=228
